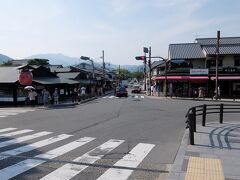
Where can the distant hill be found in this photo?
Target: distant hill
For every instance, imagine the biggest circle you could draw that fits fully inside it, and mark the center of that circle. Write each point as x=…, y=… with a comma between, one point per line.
x=56, y=59
x=4, y=58
x=67, y=61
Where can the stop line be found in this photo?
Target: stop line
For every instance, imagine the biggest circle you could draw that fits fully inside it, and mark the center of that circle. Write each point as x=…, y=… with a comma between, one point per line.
x=67, y=170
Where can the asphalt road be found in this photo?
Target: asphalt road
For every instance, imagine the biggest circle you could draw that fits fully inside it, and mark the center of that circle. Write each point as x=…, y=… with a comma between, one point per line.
x=108, y=138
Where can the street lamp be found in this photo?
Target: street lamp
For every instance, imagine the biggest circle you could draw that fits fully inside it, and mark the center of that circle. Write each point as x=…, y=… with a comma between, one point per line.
x=88, y=59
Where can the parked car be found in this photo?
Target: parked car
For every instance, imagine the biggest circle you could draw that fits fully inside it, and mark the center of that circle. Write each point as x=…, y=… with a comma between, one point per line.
x=136, y=89
x=121, y=91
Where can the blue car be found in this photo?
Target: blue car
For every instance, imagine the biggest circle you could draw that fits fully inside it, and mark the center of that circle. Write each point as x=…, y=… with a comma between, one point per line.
x=121, y=91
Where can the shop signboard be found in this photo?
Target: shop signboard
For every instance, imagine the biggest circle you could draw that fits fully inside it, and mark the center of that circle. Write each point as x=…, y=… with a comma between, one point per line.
x=199, y=71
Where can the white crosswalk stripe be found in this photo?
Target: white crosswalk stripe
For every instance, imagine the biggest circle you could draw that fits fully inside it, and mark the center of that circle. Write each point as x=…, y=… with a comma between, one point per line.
x=7, y=129
x=4, y=112
x=30, y=147
x=24, y=138
x=131, y=160
x=130, y=96
x=23, y=166
x=68, y=171
x=15, y=133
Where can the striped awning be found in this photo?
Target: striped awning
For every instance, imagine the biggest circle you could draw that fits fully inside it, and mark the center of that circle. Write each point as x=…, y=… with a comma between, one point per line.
x=181, y=78
x=226, y=78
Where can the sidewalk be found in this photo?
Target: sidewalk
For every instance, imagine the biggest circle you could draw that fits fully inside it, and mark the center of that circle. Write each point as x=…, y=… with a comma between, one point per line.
x=70, y=103
x=216, y=153
x=195, y=99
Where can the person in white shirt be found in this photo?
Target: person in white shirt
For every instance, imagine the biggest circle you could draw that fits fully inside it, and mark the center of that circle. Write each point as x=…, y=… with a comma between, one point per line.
x=83, y=90
x=32, y=97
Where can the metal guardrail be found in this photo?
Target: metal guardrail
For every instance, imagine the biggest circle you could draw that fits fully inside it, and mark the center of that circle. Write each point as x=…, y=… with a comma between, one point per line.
x=205, y=109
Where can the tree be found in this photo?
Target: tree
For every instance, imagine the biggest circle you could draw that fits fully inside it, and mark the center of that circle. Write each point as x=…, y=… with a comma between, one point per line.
x=7, y=63
x=124, y=74
x=38, y=62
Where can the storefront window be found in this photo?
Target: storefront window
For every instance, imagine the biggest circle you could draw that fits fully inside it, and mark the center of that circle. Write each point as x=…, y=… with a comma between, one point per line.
x=237, y=61
x=212, y=63
x=6, y=95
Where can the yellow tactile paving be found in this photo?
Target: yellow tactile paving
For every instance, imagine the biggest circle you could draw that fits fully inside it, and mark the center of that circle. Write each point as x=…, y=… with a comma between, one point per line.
x=204, y=169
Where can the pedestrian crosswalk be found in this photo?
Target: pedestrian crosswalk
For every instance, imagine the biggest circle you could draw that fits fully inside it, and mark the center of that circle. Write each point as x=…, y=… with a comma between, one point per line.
x=4, y=112
x=130, y=96
x=73, y=166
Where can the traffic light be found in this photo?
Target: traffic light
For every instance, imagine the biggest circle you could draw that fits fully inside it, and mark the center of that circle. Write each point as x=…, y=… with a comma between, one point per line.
x=142, y=58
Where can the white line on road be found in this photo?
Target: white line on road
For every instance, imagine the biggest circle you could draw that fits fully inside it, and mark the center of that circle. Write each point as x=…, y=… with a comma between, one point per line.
x=131, y=160
x=23, y=166
x=135, y=96
x=7, y=129
x=142, y=96
x=16, y=133
x=30, y=147
x=111, y=97
x=24, y=138
x=68, y=171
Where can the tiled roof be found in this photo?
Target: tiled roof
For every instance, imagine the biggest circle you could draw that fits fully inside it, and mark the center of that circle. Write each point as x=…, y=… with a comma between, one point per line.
x=71, y=75
x=157, y=63
x=223, y=40
x=185, y=51
x=9, y=74
x=223, y=50
x=57, y=69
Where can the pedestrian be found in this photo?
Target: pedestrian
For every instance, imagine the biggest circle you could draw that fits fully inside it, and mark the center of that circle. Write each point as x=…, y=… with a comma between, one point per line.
x=83, y=91
x=200, y=92
x=46, y=96
x=219, y=92
x=151, y=89
x=171, y=90
x=55, y=96
x=32, y=97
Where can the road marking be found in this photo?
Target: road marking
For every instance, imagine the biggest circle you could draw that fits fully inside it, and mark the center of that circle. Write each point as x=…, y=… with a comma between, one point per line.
x=23, y=166
x=68, y=171
x=132, y=160
x=111, y=97
x=105, y=97
x=135, y=96
x=2, y=116
x=142, y=97
x=24, y=138
x=16, y=133
x=204, y=168
x=7, y=129
x=30, y=147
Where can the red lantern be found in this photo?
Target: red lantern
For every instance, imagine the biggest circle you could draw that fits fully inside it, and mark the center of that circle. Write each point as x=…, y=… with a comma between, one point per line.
x=25, y=77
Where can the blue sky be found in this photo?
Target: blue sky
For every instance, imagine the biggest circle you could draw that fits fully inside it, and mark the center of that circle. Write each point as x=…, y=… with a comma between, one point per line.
x=120, y=27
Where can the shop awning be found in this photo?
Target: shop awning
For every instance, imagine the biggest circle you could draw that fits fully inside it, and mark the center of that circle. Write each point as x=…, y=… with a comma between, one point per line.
x=226, y=78
x=181, y=78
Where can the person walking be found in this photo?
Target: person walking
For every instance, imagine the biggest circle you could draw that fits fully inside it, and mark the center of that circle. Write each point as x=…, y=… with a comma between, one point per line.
x=171, y=90
x=46, y=96
x=32, y=97
x=55, y=96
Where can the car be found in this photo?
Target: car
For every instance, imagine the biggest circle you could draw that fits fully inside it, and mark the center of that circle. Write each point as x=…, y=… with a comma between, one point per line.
x=121, y=91
x=136, y=89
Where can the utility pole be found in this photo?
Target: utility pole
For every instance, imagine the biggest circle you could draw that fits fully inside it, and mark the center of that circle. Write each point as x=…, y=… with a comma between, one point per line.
x=149, y=64
x=217, y=58
x=119, y=74
x=145, y=50
x=103, y=70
